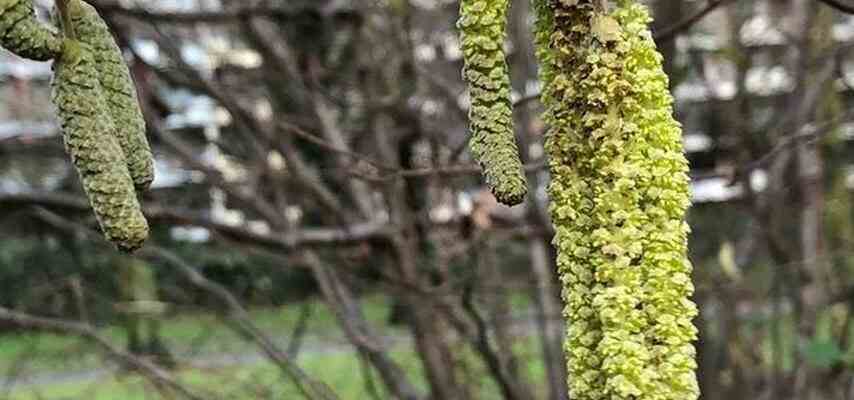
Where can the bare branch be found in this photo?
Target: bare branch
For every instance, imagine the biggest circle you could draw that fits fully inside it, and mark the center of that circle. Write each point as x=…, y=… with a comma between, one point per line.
x=359, y=232
x=685, y=24
x=205, y=17
x=310, y=388
x=349, y=314
x=839, y=5
x=64, y=327
x=302, y=134
x=511, y=387
x=243, y=324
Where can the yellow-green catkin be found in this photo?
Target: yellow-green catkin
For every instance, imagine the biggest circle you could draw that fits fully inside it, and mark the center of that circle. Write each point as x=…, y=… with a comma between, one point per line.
x=91, y=143
x=119, y=90
x=23, y=34
x=482, y=31
x=619, y=193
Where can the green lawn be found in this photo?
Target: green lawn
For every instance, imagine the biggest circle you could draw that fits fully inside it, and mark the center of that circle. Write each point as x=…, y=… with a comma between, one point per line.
x=199, y=334
x=342, y=372
x=187, y=334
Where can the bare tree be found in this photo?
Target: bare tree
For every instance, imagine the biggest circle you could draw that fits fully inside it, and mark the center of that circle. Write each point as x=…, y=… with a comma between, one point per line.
x=337, y=138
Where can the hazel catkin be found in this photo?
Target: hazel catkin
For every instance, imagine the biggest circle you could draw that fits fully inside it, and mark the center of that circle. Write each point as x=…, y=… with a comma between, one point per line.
x=119, y=91
x=619, y=193
x=23, y=34
x=482, y=30
x=91, y=143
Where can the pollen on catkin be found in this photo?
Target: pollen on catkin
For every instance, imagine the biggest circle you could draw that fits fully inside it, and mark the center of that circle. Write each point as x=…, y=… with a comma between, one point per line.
x=23, y=34
x=94, y=150
x=619, y=193
x=493, y=144
x=119, y=91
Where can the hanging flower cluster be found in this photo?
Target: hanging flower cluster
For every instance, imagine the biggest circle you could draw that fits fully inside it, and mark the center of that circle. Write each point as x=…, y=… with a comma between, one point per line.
x=619, y=193
x=90, y=141
x=493, y=144
x=119, y=91
x=22, y=34
x=619, y=189
x=98, y=111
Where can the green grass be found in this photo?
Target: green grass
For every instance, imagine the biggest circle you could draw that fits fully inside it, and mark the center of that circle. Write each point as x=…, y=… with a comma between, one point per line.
x=257, y=382
x=197, y=333
x=342, y=372
x=192, y=333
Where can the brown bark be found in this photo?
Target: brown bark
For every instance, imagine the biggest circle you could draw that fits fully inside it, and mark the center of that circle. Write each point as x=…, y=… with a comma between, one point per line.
x=549, y=323
x=347, y=310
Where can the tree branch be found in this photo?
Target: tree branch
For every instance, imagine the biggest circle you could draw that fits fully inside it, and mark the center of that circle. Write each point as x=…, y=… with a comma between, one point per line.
x=310, y=237
x=349, y=314
x=670, y=33
x=243, y=324
x=209, y=17
x=839, y=5
x=63, y=327
x=310, y=388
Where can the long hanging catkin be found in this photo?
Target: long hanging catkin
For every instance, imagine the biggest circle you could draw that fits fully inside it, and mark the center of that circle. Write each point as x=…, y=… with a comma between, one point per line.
x=23, y=34
x=493, y=144
x=119, y=90
x=619, y=193
x=91, y=143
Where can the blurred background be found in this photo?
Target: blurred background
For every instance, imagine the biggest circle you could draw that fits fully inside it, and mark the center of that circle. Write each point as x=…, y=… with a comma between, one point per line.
x=319, y=230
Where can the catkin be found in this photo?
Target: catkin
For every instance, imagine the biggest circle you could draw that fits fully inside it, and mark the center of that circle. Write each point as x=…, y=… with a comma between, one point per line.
x=493, y=144
x=619, y=193
x=91, y=143
x=119, y=90
x=23, y=34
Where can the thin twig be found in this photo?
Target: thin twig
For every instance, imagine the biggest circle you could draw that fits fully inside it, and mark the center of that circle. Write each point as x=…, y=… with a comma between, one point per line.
x=355, y=233
x=208, y=17
x=299, y=331
x=63, y=327
x=685, y=24
x=311, y=389
x=839, y=5
x=302, y=134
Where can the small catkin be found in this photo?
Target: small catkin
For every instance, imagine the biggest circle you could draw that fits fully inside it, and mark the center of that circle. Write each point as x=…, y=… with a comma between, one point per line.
x=119, y=90
x=23, y=34
x=493, y=144
x=91, y=143
x=619, y=193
